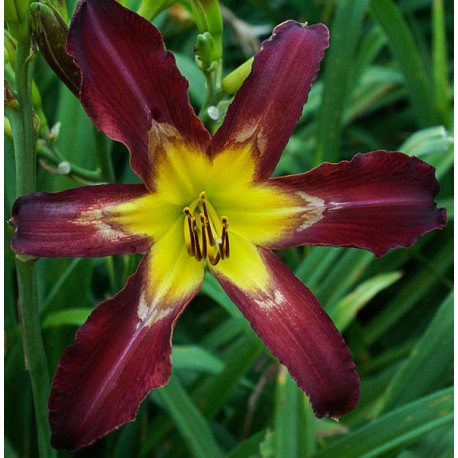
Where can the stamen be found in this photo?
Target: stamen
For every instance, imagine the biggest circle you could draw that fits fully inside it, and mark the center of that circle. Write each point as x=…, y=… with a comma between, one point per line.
x=213, y=260
x=204, y=222
x=190, y=244
x=198, y=253
x=202, y=232
x=225, y=236
x=205, y=210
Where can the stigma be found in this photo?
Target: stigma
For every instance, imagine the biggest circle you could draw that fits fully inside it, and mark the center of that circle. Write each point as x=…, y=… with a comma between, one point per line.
x=206, y=235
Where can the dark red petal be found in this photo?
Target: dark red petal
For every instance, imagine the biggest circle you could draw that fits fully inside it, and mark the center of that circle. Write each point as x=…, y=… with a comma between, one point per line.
x=74, y=223
x=294, y=326
x=120, y=354
x=129, y=80
x=378, y=201
x=269, y=104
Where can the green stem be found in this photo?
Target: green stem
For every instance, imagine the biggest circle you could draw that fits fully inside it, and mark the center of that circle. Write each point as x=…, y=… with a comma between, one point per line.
x=24, y=138
x=214, y=96
x=102, y=145
x=76, y=172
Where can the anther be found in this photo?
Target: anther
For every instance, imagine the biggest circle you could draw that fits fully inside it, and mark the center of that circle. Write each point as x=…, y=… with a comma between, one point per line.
x=198, y=253
x=204, y=208
x=213, y=260
x=191, y=246
x=204, y=222
x=224, y=250
x=206, y=235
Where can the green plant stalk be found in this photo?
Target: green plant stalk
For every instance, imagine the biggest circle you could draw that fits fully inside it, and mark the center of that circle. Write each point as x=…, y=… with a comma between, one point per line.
x=76, y=172
x=214, y=96
x=104, y=156
x=24, y=138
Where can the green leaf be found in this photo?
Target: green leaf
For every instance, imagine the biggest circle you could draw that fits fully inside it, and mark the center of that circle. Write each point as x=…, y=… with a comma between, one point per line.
x=440, y=61
x=346, y=309
x=430, y=359
x=406, y=53
x=196, y=359
x=250, y=447
x=345, y=33
x=415, y=289
x=72, y=317
x=395, y=429
x=191, y=424
x=216, y=391
x=286, y=419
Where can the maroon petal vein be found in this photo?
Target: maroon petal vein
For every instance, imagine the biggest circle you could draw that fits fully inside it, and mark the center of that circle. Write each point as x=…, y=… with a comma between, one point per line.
x=269, y=104
x=378, y=201
x=129, y=80
x=294, y=326
x=58, y=224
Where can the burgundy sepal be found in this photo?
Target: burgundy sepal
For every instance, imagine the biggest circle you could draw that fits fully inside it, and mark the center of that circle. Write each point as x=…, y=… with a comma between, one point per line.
x=116, y=360
x=378, y=201
x=129, y=80
x=269, y=104
x=294, y=326
x=74, y=223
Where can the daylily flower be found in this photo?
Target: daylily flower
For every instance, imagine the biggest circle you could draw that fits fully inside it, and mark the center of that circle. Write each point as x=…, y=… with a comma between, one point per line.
x=208, y=203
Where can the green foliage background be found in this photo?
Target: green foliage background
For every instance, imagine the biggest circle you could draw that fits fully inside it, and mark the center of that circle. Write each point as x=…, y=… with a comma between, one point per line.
x=384, y=84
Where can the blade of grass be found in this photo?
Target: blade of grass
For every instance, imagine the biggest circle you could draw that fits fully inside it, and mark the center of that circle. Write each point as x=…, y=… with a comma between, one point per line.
x=343, y=275
x=215, y=393
x=424, y=370
x=413, y=290
x=72, y=317
x=397, y=428
x=250, y=447
x=440, y=61
x=286, y=416
x=345, y=33
x=190, y=422
x=344, y=311
x=401, y=42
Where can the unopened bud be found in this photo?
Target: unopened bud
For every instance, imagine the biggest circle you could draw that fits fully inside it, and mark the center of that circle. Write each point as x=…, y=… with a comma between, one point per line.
x=209, y=21
x=149, y=9
x=232, y=82
x=207, y=15
x=7, y=128
x=49, y=32
x=204, y=51
x=16, y=18
x=61, y=7
x=9, y=44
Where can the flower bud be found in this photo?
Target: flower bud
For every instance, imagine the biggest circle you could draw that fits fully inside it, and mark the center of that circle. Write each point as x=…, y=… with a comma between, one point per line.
x=149, y=9
x=61, y=8
x=207, y=15
x=9, y=43
x=232, y=82
x=204, y=51
x=16, y=18
x=7, y=128
x=49, y=32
